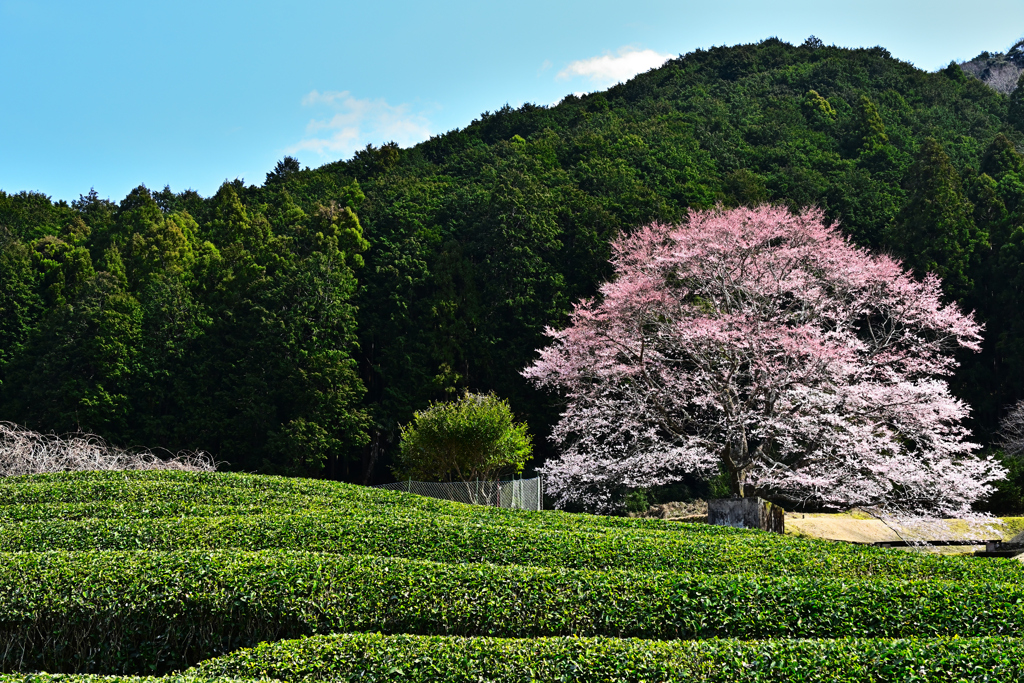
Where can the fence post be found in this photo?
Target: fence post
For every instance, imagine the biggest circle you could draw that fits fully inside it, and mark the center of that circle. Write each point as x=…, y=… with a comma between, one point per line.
x=481, y=492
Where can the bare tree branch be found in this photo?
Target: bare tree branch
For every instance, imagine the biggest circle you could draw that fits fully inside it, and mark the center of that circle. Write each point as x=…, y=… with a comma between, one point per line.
x=1011, y=430
x=23, y=451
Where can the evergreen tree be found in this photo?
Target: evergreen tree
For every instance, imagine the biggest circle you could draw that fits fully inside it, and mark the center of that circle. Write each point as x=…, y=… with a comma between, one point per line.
x=873, y=136
x=1016, y=112
x=818, y=109
x=875, y=153
x=1001, y=157
x=78, y=365
x=935, y=230
x=19, y=305
x=284, y=168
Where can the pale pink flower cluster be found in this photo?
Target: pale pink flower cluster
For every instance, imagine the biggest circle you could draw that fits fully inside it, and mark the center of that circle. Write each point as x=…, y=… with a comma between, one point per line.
x=766, y=344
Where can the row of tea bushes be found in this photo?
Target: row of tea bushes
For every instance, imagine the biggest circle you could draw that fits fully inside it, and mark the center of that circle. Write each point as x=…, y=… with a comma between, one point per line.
x=137, y=492
x=146, y=611
x=85, y=495
x=48, y=512
x=443, y=538
x=376, y=657
x=44, y=677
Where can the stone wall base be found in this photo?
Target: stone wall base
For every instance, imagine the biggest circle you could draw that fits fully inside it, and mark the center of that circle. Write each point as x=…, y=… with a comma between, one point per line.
x=747, y=513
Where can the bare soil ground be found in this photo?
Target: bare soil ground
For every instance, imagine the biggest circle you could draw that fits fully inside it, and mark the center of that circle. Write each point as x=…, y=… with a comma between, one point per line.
x=860, y=527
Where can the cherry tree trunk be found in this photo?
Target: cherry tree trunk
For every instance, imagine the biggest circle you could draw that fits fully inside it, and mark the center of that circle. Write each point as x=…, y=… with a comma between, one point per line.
x=747, y=513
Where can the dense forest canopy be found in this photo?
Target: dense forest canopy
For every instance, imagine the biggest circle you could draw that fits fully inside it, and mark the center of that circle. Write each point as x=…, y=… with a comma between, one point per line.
x=274, y=328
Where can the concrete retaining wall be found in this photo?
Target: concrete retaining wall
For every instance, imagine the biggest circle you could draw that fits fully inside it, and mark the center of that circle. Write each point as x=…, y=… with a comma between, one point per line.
x=747, y=513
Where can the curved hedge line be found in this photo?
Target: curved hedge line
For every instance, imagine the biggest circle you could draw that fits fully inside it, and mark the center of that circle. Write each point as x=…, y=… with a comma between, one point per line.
x=446, y=539
x=74, y=512
x=374, y=657
x=43, y=677
x=144, y=612
x=145, y=488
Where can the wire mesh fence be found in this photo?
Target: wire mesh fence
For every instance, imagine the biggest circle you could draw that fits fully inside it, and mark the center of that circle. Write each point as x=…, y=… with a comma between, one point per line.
x=521, y=494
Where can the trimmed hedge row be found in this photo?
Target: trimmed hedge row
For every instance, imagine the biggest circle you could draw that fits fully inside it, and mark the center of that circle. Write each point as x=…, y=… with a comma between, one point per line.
x=146, y=488
x=154, y=612
x=156, y=510
x=46, y=512
x=251, y=513
x=446, y=539
x=138, y=496
x=99, y=678
x=374, y=657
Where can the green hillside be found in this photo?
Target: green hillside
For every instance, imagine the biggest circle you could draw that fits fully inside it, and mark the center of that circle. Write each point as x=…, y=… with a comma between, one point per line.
x=173, y=320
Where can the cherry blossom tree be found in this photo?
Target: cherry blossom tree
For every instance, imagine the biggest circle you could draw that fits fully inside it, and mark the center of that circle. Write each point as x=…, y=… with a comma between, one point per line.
x=763, y=344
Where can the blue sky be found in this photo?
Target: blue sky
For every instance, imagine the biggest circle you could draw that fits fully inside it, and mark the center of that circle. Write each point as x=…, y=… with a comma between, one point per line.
x=114, y=94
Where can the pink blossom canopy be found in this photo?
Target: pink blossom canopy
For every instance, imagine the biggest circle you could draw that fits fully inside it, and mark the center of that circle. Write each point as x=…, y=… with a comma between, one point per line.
x=765, y=344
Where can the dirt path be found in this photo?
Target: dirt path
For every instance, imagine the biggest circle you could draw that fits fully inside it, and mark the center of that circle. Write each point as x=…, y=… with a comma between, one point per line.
x=859, y=527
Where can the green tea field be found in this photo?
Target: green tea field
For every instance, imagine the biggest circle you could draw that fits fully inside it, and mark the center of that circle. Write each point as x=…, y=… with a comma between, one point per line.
x=202, y=577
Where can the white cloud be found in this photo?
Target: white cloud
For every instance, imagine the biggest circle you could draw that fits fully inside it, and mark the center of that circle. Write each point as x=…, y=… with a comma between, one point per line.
x=609, y=69
x=348, y=124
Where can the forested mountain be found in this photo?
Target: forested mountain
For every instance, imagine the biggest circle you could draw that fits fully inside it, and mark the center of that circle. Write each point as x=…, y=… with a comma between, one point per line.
x=259, y=325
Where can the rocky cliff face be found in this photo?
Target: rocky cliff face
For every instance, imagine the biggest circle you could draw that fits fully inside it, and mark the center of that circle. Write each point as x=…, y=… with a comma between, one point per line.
x=999, y=70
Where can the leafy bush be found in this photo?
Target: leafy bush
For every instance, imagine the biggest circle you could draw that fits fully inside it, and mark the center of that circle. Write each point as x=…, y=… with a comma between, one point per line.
x=473, y=438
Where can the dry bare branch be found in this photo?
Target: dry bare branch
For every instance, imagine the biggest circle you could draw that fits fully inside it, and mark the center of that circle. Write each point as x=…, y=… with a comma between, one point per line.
x=1003, y=78
x=998, y=70
x=23, y=451
x=1011, y=430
